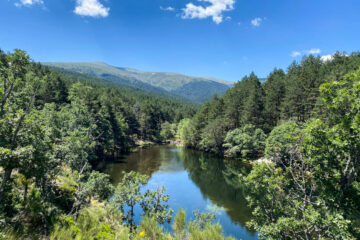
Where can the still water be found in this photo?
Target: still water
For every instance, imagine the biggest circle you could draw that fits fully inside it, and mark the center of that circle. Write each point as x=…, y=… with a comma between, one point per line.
x=194, y=180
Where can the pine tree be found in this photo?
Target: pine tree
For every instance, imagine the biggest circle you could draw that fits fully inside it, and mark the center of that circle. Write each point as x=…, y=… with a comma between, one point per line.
x=274, y=89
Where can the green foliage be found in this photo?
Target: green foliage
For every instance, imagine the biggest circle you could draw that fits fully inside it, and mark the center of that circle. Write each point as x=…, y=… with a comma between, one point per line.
x=213, y=136
x=287, y=206
x=244, y=142
x=103, y=222
x=98, y=184
x=154, y=205
x=282, y=97
x=333, y=146
x=282, y=139
x=312, y=189
x=201, y=228
x=94, y=222
x=302, y=88
x=149, y=229
x=201, y=219
x=128, y=195
x=179, y=224
x=168, y=130
x=186, y=132
x=210, y=231
x=274, y=91
x=53, y=129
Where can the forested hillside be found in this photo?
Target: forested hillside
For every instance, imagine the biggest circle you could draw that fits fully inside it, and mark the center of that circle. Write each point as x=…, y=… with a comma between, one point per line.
x=181, y=105
x=293, y=94
x=306, y=122
x=198, y=89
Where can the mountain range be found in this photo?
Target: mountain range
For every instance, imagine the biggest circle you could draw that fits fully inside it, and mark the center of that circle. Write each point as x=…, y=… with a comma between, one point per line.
x=198, y=89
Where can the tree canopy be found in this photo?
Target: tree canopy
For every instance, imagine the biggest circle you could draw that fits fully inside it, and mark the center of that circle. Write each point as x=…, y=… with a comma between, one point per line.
x=311, y=190
x=291, y=95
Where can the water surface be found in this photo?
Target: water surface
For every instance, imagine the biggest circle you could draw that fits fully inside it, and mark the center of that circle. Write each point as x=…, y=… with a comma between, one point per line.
x=194, y=180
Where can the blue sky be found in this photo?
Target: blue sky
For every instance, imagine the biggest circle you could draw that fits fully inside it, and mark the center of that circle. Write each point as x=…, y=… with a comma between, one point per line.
x=219, y=38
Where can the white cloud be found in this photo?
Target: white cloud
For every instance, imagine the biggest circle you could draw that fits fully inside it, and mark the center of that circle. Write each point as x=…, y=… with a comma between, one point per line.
x=91, y=8
x=327, y=58
x=330, y=57
x=256, y=22
x=215, y=10
x=295, y=53
x=313, y=51
x=28, y=2
x=171, y=9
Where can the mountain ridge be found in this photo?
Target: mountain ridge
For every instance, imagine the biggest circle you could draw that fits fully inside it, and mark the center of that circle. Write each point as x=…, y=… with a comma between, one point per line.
x=144, y=71
x=198, y=89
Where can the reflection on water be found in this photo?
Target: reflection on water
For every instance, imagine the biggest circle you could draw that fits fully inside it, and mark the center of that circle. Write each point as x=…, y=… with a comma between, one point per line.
x=194, y=180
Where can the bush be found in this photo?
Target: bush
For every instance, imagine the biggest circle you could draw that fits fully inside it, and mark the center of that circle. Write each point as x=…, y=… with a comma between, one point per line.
x=245, y=142
x=282, y=139
x=98, y=221
x=167, y=130
x=185, y=131
x=212, y=137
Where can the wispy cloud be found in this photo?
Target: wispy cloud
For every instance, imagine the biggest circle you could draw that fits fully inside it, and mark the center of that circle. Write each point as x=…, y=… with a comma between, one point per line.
x=215, y=10
x=171, y=9
x=28, y=3
x=310, y=51
x=313, y=51
x=295, y=53
x=256, y=22
x=91, y=8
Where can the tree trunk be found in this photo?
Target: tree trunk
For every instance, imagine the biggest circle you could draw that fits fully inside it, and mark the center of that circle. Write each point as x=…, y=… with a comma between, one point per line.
x=25, y=193
x=7, y=175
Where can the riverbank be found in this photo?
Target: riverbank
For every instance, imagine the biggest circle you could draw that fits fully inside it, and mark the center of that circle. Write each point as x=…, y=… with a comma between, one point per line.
x=142, y=144
x=263, y=160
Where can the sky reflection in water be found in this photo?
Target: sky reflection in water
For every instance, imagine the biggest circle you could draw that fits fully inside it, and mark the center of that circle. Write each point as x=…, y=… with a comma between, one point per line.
x=194, y=180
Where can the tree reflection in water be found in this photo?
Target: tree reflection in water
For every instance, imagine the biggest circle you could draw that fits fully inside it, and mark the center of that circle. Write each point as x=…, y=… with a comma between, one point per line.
x=193, y=180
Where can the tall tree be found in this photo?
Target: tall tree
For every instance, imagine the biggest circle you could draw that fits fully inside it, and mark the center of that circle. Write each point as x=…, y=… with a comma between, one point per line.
x=253, y=103
x=274, y=89
x=302, y=88
x=17, y=100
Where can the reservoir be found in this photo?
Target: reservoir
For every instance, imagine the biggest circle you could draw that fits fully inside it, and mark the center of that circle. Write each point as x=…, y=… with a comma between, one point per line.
x=193, y=180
